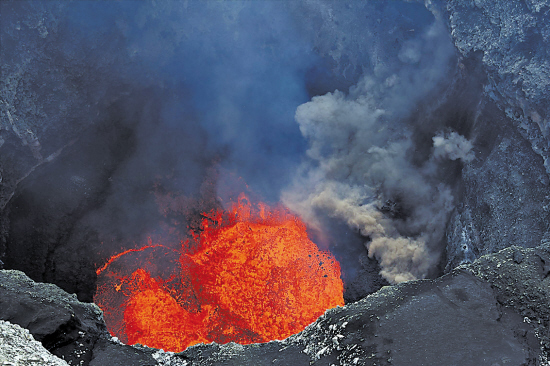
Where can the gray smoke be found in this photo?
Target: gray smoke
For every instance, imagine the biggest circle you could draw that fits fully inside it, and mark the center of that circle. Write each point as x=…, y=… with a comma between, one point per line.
x=363, y=165
x=454, y=147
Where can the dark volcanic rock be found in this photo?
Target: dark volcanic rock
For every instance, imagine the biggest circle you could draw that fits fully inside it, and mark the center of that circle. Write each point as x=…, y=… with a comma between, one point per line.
x=70, y=329
x=513, y=38
x=523, y=287
x=50, y=93
x=506, y=193
x=492, y=312
x=108, y=352
x=64, y=325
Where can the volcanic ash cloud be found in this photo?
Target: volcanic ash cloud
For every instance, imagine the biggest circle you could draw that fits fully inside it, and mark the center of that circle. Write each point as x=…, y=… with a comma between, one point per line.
x=364, y=167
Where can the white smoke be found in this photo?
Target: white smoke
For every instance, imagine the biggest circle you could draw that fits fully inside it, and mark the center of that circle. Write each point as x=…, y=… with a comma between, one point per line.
x=453, y=146
x=361, y=167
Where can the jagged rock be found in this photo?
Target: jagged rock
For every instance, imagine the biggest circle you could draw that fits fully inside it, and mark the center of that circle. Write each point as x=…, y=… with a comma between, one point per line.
x=513, y=39
x=64, y=325
x=494, y=311
x=505, y=194
x=18, y=348
x=505, y=198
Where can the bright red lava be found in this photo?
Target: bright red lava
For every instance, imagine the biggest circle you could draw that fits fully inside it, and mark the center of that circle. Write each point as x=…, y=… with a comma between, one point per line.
x=253, y=276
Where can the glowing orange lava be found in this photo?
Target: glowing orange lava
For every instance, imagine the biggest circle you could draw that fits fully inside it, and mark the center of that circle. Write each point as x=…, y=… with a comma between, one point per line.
x=253, y=276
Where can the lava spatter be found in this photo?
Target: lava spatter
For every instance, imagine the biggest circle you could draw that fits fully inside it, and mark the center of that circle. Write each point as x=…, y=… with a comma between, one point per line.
x=253, y=276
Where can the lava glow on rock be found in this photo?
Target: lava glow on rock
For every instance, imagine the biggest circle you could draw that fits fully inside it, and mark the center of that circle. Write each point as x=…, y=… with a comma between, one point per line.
x=252, y=275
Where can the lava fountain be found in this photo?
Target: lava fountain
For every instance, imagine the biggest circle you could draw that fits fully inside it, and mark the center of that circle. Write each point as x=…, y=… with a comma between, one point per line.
x=250, y=274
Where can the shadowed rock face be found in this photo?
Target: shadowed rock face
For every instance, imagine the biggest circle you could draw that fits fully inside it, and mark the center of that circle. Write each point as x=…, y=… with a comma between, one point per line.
x=493, y=311
x=505, y=189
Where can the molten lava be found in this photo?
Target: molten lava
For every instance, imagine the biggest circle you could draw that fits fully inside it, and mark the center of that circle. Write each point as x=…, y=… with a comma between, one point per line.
x=252, y=275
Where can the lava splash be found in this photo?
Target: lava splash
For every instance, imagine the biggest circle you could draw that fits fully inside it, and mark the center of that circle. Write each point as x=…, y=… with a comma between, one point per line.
x=251, y=275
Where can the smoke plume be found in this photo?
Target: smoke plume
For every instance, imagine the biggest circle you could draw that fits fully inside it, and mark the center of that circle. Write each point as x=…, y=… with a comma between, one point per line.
x=454, y=147
x=318, y=102
x=364, y=167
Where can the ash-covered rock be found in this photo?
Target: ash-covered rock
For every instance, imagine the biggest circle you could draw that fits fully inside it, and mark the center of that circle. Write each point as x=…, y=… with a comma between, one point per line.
x=494, y=311
x=18, y=348
x=521, y=280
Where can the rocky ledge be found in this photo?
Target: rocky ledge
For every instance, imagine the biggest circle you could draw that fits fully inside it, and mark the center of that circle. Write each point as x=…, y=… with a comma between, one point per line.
x=492, y=312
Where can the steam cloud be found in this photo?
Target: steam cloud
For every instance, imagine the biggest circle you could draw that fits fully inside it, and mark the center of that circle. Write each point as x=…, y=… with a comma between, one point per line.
x=363, y=165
